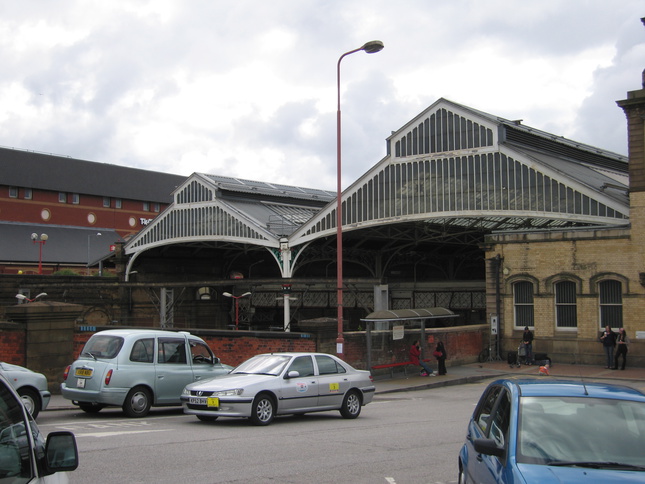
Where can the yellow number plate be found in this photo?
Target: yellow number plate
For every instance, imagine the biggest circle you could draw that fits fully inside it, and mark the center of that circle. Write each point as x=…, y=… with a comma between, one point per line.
x=84, y=372
x=212, y=402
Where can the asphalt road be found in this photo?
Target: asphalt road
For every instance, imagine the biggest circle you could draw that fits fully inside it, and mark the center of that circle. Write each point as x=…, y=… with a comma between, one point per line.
x=408, y=437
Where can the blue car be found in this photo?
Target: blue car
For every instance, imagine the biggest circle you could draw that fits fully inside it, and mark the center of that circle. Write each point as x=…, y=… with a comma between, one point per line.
x=555, y=431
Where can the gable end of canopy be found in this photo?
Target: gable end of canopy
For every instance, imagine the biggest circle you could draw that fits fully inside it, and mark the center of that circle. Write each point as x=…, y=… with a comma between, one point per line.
x=197, y=215
x=448, y=164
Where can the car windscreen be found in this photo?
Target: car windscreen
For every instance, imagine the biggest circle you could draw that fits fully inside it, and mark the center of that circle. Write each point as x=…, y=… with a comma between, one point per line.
x=263, y=365
x=580, y=431
x=103, y=346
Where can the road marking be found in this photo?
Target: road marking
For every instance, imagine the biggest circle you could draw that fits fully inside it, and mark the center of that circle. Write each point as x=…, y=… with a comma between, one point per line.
x=112, y=434
x=391, y=480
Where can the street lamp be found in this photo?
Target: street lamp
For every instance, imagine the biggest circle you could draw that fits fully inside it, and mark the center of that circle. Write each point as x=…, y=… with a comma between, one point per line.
x=371, y=47
x=42, y=240
x=237, y=307
x=98, y=234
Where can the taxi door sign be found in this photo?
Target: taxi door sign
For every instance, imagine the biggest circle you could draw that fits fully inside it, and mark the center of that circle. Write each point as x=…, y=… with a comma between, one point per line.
x=334, y=387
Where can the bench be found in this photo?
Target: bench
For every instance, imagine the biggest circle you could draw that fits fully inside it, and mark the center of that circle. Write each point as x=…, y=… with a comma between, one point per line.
x=392, y=366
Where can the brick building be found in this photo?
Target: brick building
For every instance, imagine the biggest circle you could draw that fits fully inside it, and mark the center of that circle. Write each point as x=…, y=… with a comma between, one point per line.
x=83, y=207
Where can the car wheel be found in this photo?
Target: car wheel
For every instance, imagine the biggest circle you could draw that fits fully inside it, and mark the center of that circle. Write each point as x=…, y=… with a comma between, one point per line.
x=263, y=410
x=138, y=402
x=206, y=418
x=30, y=400
x=351, y=405
x=90, y=407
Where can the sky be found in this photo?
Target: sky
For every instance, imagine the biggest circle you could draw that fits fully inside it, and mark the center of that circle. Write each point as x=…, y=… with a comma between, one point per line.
x=248, y=88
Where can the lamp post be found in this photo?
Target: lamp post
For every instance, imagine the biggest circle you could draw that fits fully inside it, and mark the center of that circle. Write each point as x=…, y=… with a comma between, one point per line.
x=98, y=234
x=40, y=240
x=371, y=47
x=237, y=307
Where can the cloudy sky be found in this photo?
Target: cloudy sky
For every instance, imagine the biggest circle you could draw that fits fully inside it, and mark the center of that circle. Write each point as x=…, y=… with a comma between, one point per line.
x=247, y=88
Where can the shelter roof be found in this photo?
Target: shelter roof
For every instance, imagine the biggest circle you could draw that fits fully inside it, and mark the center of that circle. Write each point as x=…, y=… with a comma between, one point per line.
x=65, y=244
x=409, y=314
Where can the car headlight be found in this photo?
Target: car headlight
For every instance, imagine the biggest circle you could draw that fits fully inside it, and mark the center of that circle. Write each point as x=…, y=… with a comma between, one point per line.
x=233, y=392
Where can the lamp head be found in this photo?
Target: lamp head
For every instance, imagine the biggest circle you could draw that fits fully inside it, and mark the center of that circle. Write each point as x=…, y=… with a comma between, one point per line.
x=227, y=294
x=34, y=236
x=373, y=46
x=44, y=237
x=245, y=294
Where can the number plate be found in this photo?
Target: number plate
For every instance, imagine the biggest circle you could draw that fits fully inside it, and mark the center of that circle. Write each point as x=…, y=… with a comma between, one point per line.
x=85, y=372
x=212, y=402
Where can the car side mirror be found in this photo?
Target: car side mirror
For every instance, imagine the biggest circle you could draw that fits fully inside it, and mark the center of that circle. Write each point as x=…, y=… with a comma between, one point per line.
x=215, y=360
x=292, y=374
x=488, y=447
x=61, y=453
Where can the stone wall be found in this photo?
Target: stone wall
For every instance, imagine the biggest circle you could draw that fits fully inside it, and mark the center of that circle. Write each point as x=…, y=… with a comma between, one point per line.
x=584, y=257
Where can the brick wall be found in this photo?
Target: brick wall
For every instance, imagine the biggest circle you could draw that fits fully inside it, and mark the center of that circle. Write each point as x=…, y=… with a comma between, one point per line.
x=12, y=344
x=584, y=257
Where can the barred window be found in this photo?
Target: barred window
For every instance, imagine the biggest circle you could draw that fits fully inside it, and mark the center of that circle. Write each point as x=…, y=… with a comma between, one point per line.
x=523, y=299
x=611, y=303
x=566, y=315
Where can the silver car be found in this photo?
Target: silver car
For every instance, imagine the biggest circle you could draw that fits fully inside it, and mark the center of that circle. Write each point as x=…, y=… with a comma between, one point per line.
x=136, y=369
x=31, y=386
x=281, y=383
x=25, y=454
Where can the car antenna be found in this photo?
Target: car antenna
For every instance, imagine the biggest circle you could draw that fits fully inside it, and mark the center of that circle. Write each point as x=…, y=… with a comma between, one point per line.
x=582, y=380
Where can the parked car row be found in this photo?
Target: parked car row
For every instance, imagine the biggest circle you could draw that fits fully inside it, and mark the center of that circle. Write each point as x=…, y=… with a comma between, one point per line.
x=139, y=369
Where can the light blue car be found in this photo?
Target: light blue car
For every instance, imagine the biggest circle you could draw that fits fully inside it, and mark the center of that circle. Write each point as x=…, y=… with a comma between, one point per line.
x=553, y=431
x=136, y=369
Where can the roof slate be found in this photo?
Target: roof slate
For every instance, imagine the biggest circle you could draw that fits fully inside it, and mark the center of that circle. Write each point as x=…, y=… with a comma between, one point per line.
x=62, y=174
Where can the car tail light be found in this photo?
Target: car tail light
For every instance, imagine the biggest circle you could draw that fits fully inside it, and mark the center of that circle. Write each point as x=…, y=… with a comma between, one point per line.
x=108, y=377
x=66, y=372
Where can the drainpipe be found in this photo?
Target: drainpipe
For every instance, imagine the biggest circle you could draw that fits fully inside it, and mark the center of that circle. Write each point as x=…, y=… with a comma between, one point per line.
x=498, y=304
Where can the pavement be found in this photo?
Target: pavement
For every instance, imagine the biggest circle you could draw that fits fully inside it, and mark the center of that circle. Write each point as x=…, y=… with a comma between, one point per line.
x=458, y=375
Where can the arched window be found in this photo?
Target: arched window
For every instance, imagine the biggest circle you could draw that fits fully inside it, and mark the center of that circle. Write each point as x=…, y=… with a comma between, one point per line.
x=566, y=314
x=523, y=303
x=611, y=303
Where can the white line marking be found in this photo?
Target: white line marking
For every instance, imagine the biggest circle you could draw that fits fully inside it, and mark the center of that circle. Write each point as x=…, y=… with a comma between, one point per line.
x=112, y=434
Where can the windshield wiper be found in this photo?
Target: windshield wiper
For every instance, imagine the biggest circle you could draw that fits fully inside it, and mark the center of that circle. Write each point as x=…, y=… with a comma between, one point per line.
x=89, y=353
x=597, y=465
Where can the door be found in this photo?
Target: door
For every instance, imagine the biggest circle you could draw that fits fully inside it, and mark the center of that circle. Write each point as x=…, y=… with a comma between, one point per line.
x=301, y=392
x=333, y=382
x=172, y=369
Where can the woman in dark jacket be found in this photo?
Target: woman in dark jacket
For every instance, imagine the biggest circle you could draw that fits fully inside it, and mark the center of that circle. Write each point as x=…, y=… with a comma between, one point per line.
x=441, y=355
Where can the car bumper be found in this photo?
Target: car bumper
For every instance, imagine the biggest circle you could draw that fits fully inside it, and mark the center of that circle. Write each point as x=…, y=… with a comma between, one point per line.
x=368, y=394
x=227, y=408
x=45, y=397
x=111, y=396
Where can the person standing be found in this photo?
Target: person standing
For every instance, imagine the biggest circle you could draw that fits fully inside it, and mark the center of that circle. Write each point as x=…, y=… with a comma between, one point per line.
x=622, y=343
x=527, y=340
x=441, y=355
x=608, y=339
x=416, y=359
